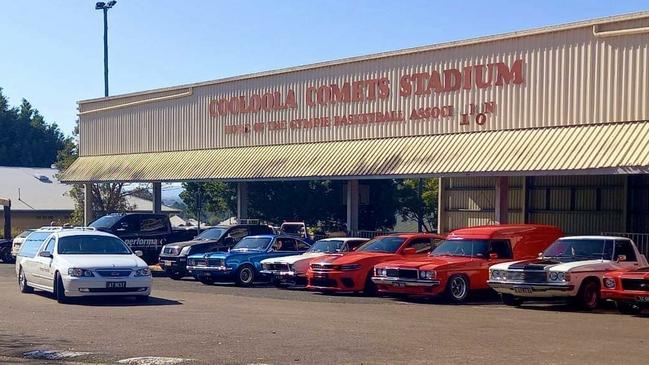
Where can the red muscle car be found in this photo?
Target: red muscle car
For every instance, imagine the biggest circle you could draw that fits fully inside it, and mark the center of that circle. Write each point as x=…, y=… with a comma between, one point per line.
x=629, y=289
x=461, y=262
x=352, y=272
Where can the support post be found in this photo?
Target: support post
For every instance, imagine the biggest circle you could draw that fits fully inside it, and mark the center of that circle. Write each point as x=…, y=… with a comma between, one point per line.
x=626, y=226
x=7, y=217
x=157, y=197
x=420, y=205
x=87, y=204
x=502, y=200
x=527, y=199
x=353, y=197
x=242, y=201
x=441, y=206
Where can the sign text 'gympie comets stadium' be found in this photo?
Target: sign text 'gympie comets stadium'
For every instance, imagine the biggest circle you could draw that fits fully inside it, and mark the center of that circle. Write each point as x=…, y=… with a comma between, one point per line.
x=413, y=84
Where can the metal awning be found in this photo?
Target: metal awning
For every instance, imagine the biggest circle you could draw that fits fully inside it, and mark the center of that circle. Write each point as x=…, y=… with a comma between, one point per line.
x=619, y=148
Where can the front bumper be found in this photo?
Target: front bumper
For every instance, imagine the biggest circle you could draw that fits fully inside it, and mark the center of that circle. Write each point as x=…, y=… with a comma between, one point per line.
x=397, y=282
x=207, y=271
x=96, y=286
x=533, y=290
x=173, y=263
x=285, y=277
x=338, y=281
x=630, y=296
x=414, y=287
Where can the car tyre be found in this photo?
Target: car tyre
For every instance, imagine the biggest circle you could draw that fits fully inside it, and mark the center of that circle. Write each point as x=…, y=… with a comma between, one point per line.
x=588, y=296
x=627, y=308
x=370, y=289
x=22, y=283
x=457, y=288
x=176, y=275
x=245, y=276
x=6, y=256
x=511, y=300
x=59, y=290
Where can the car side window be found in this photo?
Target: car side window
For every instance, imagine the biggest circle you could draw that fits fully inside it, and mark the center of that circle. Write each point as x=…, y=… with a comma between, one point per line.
x=302, y=246
x=49, y=246
x=421, y=244
x=502, y=248
x=128, y=224
x=624, y=247
x=286, y=244
x=354, y=244
x=238, y=233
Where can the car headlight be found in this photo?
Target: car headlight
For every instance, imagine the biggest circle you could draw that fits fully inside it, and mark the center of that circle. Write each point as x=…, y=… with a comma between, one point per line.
x=498, y=275
x=609, y=283
x=143, y=272
x=191, y=262
x=427, y=275
x=185, y=251
x=80, y=273
x=553, y=275
x=350, y=267
x=380, y=272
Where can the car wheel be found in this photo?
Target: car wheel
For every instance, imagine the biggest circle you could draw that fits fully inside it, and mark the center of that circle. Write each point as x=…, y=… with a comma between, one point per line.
x=588, y=295
x=5, y=256
x=511, y=300
x=370, y=288
x=245, y=276
x=22, y=282
x=206, y=280
x=59, y=289
x=627, y=308
x=176, y=275
x=457, y=288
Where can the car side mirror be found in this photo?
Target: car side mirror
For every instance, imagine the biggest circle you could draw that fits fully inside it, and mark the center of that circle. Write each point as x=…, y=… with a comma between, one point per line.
x=540, y=255
x=139, y=253
x=621, y=258
x=409, y=251
x=493, y=256
x=46, y=254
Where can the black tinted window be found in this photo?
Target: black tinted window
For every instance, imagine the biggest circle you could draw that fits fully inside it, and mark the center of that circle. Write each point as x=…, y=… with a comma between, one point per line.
x=238, y=233
x=92, y=245
x=501, y=248
x=624, y=247
x=302, y=246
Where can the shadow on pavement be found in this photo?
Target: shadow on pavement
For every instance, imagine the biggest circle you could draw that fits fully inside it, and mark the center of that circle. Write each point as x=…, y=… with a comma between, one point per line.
x=115, y=301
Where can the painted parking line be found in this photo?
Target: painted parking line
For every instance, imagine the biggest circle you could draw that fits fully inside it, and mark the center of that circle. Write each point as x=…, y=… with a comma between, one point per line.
x=54, y=354
x=153, y=360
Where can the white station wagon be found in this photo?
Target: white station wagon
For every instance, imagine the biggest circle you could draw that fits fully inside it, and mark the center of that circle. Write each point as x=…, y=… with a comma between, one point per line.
x=77, y=263
x=572, y=267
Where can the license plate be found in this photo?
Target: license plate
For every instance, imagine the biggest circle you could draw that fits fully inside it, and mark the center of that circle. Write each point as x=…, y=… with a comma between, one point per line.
x=643, y=299
x=399, y=285
x=167, y=263
x=523, y=289
x=115, y=284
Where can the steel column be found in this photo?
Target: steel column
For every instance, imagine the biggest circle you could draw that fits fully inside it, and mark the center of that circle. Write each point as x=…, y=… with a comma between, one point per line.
x=157, y=197
x=441, y=205
x=502, y=200
x=242, y=200
x=353, y=198
x=87, y=204
x=7, y=218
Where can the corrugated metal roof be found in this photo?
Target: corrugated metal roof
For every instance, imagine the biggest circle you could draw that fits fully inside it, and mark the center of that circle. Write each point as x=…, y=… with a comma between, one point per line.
x=607, y=148
x=39, y=189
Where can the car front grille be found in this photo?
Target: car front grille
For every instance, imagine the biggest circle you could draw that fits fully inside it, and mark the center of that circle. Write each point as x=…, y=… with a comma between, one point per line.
x=533, y=277
x=213, y=262
x=114, y=273
x=635, y=284
x=324, y=283
x=322, y=267
x=402, y=273
x=116, y=290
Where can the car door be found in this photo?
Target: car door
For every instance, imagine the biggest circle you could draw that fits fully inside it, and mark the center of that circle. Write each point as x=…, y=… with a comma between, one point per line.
x=302, y=246
x=43, y=271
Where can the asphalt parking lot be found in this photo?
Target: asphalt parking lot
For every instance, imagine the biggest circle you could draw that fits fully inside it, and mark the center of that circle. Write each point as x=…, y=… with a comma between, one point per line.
x=187, y=322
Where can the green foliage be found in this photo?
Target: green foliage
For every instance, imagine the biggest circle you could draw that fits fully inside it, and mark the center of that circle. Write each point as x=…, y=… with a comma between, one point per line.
x=26, y=139
x=411, y=207
x=218, y=200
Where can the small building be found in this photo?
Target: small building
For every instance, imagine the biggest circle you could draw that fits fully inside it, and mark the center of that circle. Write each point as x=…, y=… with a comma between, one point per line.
x=38, y=198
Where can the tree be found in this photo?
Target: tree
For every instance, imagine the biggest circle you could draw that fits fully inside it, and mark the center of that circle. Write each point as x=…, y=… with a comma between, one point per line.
x=413, y=207
x=218, y=199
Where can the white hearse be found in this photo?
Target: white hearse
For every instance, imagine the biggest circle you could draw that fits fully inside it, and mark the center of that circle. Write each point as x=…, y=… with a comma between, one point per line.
x=572, y=267
x=83, y=262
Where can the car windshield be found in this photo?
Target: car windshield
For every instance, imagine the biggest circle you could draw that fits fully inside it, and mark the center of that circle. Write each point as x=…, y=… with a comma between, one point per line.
x=585, y=249
x=106, y=221
x=383, y=244
x=327, y=246
x=92, y=245
x=463, y=248
x=32, y=243
x=211, y=234
x=252, y=243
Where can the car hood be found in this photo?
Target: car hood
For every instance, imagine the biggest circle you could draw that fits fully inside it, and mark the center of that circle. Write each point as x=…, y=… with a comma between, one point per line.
x=293, y=259
x=429, y=262
x=101, y=261
x=641, y=273
x=189, y=243
x=354, y=257
x=546, y=264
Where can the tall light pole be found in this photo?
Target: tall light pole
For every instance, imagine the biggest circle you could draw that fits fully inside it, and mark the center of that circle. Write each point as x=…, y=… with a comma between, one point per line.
x=105, y=6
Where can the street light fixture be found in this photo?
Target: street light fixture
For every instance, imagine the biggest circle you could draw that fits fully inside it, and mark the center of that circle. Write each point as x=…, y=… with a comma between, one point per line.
x=105, y=6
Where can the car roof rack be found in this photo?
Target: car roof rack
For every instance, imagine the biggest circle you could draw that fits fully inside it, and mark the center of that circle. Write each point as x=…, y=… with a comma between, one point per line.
x=249, y=221
x=62, y=228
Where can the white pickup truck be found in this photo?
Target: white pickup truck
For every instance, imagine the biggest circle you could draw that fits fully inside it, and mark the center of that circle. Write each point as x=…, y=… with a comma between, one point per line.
x=571, y=268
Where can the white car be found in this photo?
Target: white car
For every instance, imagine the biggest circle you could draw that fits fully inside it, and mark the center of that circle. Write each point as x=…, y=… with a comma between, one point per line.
x=291, y=270
x=83, y=262
x=572, y=267
x=18, y=241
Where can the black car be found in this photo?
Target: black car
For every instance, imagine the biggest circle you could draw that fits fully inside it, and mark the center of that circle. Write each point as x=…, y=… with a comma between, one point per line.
x=173, y=258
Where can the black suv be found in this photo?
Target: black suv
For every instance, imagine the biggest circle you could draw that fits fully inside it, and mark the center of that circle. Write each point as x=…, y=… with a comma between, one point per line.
x=173, y=258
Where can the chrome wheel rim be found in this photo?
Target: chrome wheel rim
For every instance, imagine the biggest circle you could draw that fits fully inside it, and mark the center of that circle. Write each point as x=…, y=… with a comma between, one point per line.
x=245, y=275
x=458, y=288
x=21, y=279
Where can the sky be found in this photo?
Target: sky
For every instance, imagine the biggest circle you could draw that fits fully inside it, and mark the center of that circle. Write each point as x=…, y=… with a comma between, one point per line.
x=52, y=52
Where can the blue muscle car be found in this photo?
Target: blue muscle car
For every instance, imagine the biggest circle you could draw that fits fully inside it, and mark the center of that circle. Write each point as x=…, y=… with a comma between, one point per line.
x=242, y=263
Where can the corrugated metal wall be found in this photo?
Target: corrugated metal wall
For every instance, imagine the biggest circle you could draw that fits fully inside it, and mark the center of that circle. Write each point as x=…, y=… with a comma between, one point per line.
x=577, y=204
x=570, y=77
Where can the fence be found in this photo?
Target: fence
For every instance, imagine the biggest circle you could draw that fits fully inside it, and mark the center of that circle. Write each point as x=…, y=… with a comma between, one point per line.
x=641, y=239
